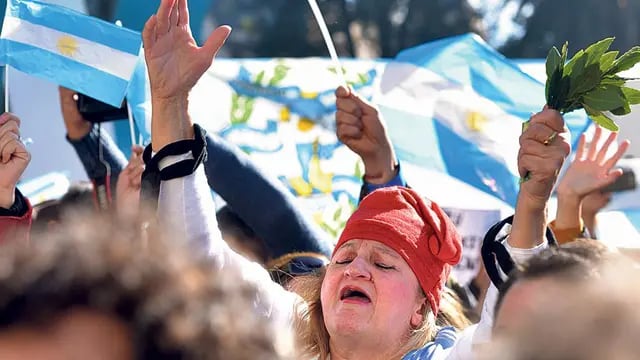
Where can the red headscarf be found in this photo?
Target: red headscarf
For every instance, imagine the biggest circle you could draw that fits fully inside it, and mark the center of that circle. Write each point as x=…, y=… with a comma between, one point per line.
x=416, y=229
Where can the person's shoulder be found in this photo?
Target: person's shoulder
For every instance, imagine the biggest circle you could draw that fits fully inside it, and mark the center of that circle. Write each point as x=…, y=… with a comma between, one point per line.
x=438, y=349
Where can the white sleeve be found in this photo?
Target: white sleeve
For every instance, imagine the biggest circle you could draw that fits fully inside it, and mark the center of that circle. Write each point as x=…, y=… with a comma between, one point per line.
x=186, y=207
x=483, y=331
x=481, y=334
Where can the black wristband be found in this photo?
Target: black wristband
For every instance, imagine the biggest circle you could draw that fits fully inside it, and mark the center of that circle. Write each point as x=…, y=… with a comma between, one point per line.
x=152, y=175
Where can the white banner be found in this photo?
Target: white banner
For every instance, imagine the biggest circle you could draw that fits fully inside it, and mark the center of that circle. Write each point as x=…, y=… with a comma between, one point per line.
x=472, y=226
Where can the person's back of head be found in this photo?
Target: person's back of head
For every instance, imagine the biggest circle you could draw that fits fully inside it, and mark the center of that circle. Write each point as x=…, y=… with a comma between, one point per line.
x=77, y=202
x=567, y=302
x=573, y=261
x=589, y=319
x=106, y=292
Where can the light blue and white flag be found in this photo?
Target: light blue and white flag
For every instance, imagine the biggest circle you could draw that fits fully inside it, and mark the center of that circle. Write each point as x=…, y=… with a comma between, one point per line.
x=464, y=103
x=71, y=49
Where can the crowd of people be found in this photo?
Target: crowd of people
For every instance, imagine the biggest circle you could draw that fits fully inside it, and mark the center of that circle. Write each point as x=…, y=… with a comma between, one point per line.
x=152, y=271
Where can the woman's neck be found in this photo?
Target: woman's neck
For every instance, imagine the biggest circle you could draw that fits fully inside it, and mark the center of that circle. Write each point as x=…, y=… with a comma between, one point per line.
x=348, y=350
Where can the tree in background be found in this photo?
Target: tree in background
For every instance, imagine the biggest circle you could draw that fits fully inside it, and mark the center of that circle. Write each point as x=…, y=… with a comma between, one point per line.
x=364, y=28
x=103, y=9
x=581, y=22
x=382, y=28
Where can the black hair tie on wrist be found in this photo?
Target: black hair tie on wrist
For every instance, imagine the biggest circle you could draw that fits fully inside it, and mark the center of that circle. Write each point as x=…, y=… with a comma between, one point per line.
x=496, y=257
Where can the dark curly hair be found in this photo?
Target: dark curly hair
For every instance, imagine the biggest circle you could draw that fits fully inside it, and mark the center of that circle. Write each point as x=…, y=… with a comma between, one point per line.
x=175, y=302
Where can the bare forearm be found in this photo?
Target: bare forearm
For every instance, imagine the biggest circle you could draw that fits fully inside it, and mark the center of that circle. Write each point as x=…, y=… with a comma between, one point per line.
x=569, y=212
x=529, y=226
x=7, y=197
x=170, y=122
x=590, y=223
x=381, y=168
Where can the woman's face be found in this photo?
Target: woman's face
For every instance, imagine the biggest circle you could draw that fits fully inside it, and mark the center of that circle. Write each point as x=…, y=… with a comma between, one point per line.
x=370, y=292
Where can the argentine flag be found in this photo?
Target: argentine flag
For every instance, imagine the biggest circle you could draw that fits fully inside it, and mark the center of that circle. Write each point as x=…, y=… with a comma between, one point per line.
x=457, y=106
x=71, y=49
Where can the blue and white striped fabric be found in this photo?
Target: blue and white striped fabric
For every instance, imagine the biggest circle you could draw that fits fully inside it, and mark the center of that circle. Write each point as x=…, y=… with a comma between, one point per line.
x=71, y=49
x=464, y=103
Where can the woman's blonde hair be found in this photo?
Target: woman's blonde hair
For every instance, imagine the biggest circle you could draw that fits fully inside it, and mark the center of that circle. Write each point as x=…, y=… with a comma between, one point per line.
x=312, y=335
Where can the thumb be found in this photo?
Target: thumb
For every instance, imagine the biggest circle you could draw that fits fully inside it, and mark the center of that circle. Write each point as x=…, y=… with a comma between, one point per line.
x=215, y=41
x=342, y=92
x=136, y=150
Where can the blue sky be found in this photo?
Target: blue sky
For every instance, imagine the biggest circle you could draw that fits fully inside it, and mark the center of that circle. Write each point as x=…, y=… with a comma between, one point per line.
x=501, y=13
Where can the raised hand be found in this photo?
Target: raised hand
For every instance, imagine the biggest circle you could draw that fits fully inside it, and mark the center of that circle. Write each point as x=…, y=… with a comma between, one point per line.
x=360, y=127
x=175, y=62
x=128, y=186
x=77, y=127
x=592, y=168
x=14, y=158
x=543, y=147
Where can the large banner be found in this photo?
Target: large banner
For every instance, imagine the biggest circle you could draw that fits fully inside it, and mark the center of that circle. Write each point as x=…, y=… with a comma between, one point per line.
x=281, y=113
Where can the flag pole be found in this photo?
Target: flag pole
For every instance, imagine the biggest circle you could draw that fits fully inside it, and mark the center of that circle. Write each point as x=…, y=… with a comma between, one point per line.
x=131, y=125
x=327, y=40
x=6, y=88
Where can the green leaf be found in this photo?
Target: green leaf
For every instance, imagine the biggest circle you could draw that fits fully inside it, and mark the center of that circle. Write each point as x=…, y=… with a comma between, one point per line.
x=613, y=80
x=626, y=109
x=260, y=77
x=604, y=98
x=574, y=105
x=599, y=118
x=626, y=61
x=595, y=51
x=585, y=81
x=553, y=84
x=606, y=61
x=576, y=59
x=632, y=95
x=560, y=100
x=553, y=61
x=554, y=81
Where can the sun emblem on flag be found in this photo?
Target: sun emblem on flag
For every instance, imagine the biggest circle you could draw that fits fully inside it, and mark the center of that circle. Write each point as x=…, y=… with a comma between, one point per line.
x=67, y=45
x=476, y=121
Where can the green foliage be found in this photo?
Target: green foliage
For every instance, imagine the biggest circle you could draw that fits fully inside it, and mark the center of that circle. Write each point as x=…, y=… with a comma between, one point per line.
x=590, y=80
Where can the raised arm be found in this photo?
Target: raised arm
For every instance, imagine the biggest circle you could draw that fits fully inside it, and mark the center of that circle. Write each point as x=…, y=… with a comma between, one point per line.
x=85, y=139
x=361, y=128
x=591, y=170
x=544, y=145
x=262, y=202
x=15, y=210
x=175, y=63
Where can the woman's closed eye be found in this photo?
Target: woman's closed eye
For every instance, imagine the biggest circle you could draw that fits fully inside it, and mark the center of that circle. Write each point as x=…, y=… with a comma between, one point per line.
x=384, y=266
x=343, y=261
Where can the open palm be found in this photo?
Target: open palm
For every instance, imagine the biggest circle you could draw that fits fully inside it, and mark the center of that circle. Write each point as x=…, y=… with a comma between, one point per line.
x=592, y=169
x=174, y=61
